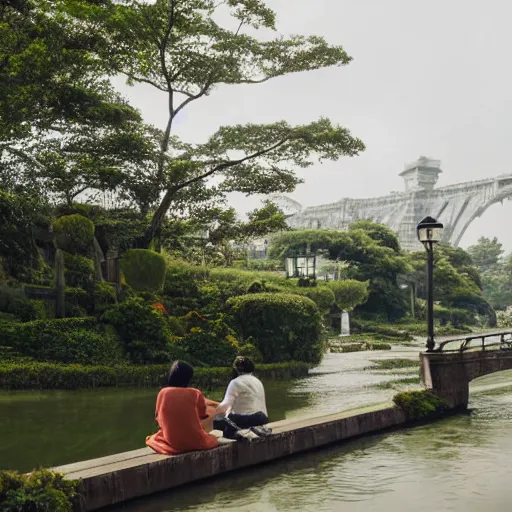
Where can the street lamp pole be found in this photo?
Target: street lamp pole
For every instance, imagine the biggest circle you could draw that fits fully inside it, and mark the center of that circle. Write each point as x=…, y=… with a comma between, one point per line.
x=430, y=296
x=429, y=233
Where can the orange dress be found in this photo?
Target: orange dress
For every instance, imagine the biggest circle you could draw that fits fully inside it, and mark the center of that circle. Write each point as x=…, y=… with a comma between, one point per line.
x=178, y=413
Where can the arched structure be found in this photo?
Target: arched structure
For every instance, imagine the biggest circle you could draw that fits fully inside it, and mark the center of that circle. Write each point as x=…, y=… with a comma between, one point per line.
x=448, y=374
x=456, y=206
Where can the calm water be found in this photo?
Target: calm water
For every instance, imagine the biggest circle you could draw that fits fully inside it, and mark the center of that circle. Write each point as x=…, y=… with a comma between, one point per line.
x=58, y=427
x=459, y=464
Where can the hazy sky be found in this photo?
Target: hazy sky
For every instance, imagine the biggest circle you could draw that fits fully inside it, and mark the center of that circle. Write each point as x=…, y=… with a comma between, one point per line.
x=428, y=78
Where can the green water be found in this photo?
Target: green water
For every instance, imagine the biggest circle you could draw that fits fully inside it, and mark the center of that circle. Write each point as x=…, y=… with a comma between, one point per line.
x=459, y=464
x=58, y=427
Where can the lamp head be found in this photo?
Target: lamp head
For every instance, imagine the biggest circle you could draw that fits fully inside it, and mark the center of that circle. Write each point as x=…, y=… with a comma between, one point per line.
x=429, y=231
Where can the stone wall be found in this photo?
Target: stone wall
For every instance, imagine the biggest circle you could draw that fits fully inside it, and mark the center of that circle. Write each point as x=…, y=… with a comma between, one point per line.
x=122, y=477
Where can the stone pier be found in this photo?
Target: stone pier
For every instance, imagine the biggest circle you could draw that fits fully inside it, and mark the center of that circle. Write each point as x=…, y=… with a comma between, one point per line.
x=122, y=477
x=449, y=374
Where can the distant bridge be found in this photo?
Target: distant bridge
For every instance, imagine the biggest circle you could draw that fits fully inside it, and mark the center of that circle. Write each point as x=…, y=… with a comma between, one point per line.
x=450, y=368
x=456, y=206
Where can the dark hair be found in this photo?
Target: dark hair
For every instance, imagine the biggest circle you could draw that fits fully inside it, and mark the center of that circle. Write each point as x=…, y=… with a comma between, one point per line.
x=180, y=375
x=243, y=365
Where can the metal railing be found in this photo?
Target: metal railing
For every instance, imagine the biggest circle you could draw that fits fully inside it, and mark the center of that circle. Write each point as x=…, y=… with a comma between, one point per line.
x=492, y=341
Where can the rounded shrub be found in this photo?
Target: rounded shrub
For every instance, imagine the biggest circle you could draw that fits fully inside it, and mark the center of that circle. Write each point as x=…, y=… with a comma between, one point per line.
x=74, y=234
x=250, y=351
x=420, y=404
x=23, y=309
x=77, y=302
x=78, y=270
x=322, y=296
x=284, y=327
x=144, y=270
x=104, y=297
x=208, y=348
x=37, y=491
x=143, y=329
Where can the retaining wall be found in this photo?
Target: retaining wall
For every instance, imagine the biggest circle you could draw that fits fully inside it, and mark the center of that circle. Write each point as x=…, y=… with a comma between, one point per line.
x=118, y=478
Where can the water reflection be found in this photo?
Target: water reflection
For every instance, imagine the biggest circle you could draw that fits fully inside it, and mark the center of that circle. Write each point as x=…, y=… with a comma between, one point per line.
x=54, y=428
x=459, y=464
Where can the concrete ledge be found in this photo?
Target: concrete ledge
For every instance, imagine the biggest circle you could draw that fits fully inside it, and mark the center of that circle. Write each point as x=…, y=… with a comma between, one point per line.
x=118, y=478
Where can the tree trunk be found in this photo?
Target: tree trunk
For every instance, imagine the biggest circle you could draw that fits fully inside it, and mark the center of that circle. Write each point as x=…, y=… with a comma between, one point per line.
x=60, y=286
x=156, y=222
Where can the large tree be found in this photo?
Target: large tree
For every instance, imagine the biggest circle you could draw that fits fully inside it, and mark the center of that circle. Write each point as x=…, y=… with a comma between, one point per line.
x=62, y=125
x=180, y=48
x=486, y=254
x=368, y=257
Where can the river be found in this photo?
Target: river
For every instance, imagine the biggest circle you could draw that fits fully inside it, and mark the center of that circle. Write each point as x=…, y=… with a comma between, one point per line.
x=458, y=464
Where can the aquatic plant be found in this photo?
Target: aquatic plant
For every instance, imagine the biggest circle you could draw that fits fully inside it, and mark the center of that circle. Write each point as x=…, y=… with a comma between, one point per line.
x=420, y=404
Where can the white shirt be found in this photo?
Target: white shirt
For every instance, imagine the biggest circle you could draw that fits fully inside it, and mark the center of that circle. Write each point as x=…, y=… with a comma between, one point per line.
x=244, y=395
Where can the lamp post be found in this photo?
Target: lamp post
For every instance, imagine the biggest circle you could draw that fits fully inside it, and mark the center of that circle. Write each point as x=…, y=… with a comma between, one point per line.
x=429, y=233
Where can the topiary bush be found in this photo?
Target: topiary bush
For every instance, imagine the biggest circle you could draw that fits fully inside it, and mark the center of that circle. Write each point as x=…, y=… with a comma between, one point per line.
x=104, y=297
x=74, y=234
x=322, y=296
x=144, y=270
x=14, y=303
x=284, y=327
x=78, y=270
x=143, y=329
x=250, y=351
x=78, y=303
x=420, y=404
x=208, y=348
x=39, y=491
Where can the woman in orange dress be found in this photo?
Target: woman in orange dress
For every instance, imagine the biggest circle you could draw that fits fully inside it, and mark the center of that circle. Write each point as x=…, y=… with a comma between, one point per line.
x=181, y=413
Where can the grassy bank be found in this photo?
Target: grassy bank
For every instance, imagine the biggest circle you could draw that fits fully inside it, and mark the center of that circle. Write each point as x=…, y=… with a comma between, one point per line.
x=18, y=376
x=340, y=347
x=393, y=364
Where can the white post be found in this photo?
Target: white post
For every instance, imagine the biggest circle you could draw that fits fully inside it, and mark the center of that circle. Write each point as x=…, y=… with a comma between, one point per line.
x=345, y=324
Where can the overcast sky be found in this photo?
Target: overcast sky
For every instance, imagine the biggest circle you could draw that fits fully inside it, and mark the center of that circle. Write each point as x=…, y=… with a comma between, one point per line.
x=428, y=78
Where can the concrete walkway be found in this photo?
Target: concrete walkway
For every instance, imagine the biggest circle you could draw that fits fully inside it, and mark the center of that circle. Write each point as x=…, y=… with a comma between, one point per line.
x=118, y=478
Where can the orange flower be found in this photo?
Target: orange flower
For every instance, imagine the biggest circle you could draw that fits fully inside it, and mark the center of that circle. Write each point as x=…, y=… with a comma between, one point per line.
x=160, y=307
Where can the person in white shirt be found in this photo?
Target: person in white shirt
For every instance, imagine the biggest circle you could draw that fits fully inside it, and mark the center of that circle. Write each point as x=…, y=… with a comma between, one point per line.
x=244, y=402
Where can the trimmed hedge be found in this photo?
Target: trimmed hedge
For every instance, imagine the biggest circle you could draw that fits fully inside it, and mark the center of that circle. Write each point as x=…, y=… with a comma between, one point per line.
x=322, y=296
x=209, y=348
x=144, y=270
x=79, y=270
x=33, y=375
x=283, y=326
x=104, y=296
x=25, y=310
x=79, y=340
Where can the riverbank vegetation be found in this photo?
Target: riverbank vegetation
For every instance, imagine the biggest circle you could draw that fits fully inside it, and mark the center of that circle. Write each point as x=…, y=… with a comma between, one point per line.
x=420, y=405
x=394, y=364
x=117, y=246
x=36, y=375
x=39, y=491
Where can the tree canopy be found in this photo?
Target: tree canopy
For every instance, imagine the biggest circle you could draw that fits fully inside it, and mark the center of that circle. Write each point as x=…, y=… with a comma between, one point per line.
x=371, y=250
x=486, y=254
x=65, y=131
